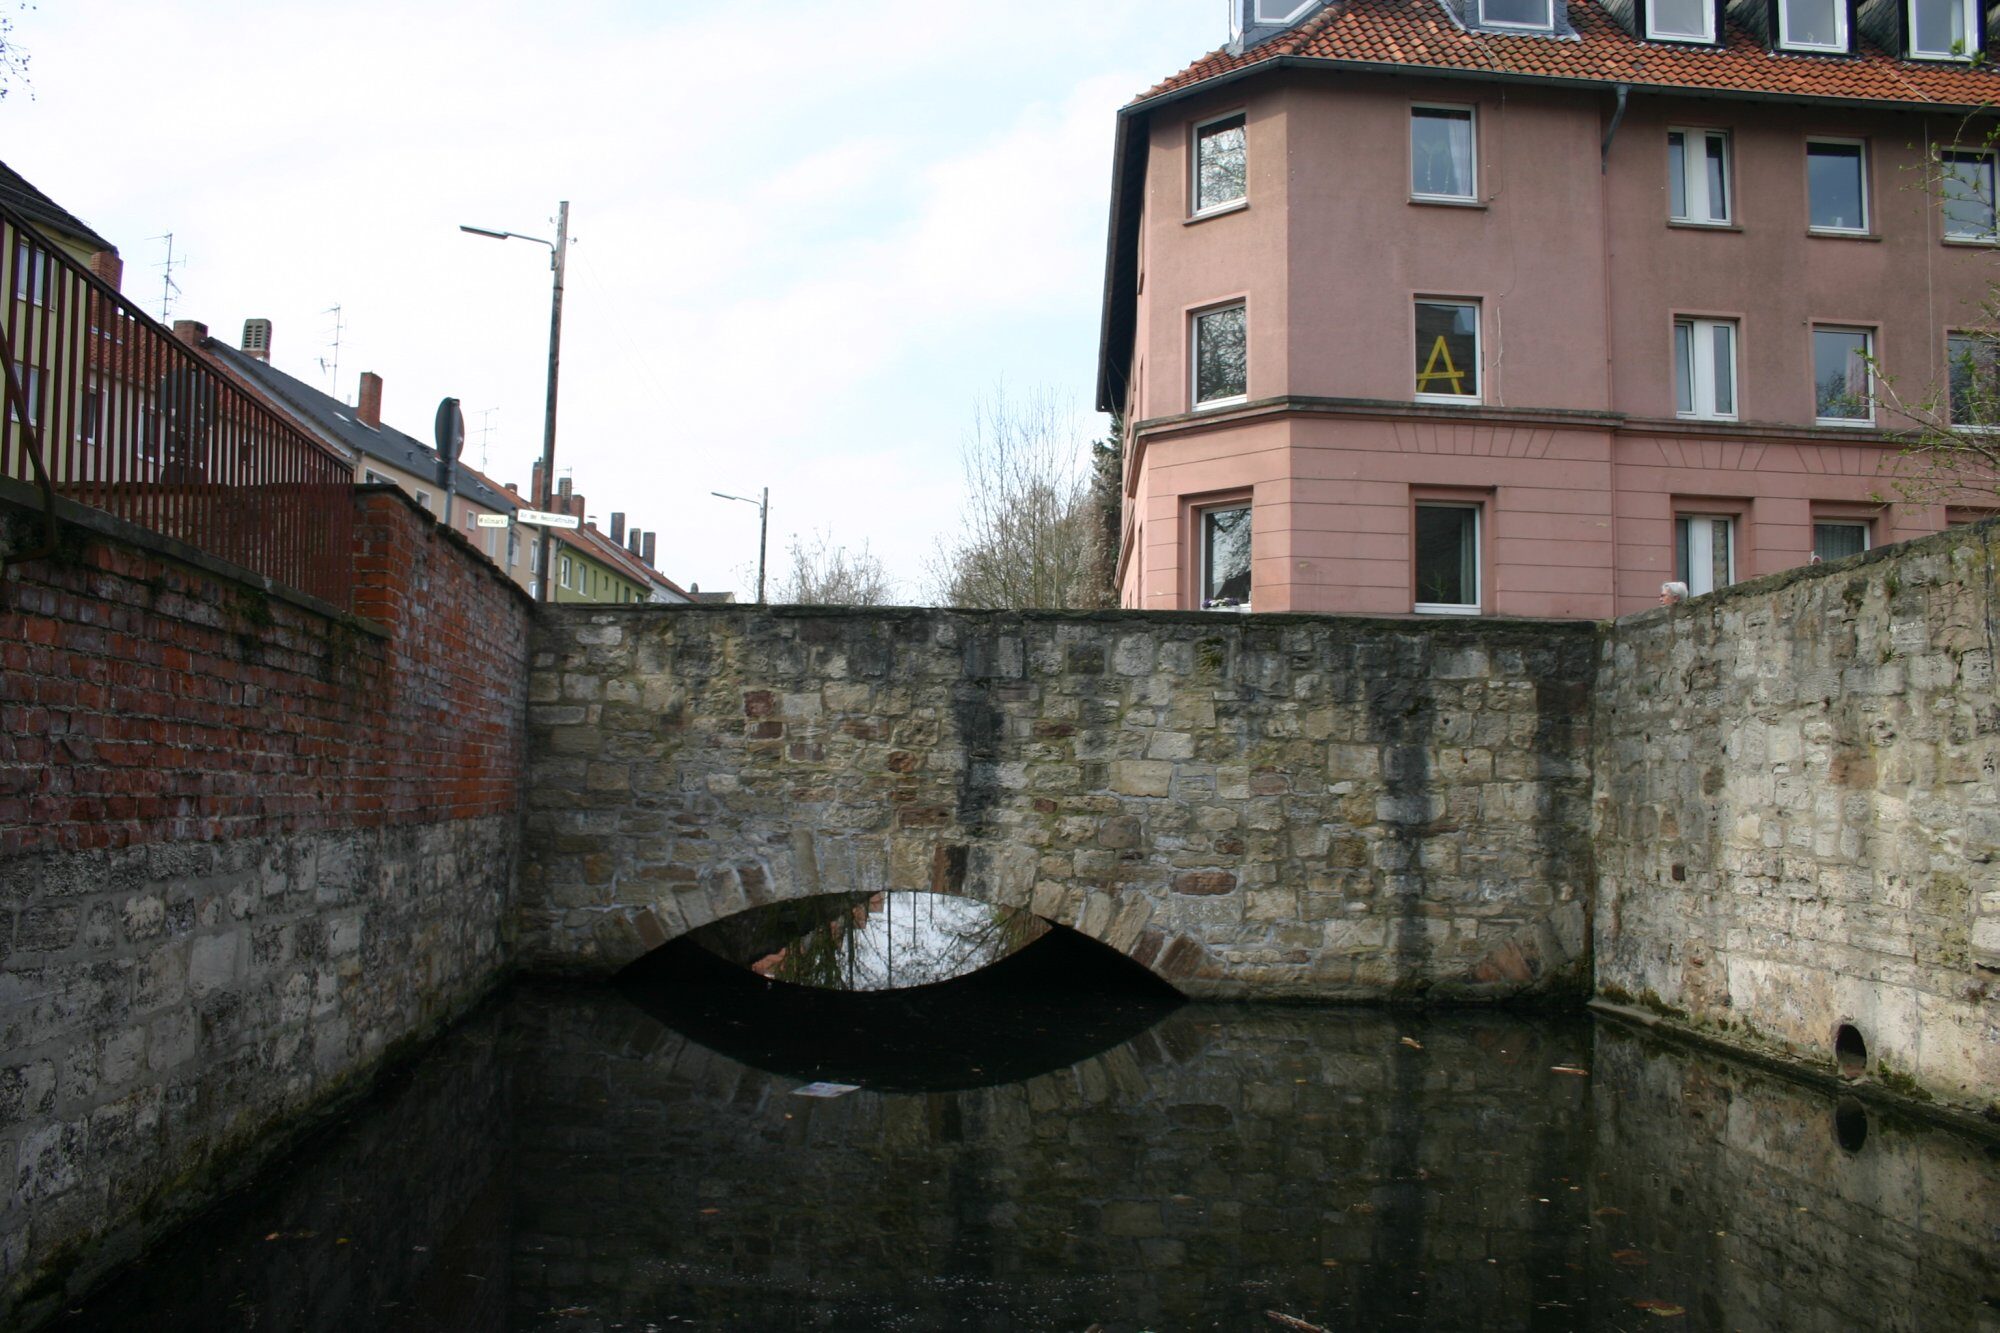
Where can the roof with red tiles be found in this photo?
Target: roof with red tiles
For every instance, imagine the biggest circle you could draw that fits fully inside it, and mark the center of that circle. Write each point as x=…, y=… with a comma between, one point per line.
x=1421, y=34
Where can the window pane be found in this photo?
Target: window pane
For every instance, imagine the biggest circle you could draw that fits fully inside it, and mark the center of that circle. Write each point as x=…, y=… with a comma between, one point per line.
x=1679, y=18
x=1701, y=552
x=1220, y=163
x=1515, y=13
x=1834, y=180
x=1677, y=180
x=1837, y=541
x=1720, y=531
x=1221, y=355
x=1225, y=557
x=1840, y=374
x=1938, y=27
x=1448, y=349
x=1447, y=555
x=1718, y=177
x=1812, y=22
x=1683, y=558
x=1968, y=195
x=1975, y=377
x=1724, y=339
x=1684, y=367
x=1441, y=152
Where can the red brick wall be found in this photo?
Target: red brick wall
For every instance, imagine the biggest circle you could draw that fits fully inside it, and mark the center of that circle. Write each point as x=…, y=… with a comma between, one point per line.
x=143, y=700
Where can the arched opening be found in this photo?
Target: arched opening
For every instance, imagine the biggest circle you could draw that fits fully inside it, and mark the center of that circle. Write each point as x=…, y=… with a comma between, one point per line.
x=1850, y=1124
x=871, y=941
x=972, y=997
x=1850, y=1052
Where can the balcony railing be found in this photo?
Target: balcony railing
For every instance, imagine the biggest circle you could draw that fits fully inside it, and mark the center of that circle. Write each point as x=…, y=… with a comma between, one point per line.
x=128, y=419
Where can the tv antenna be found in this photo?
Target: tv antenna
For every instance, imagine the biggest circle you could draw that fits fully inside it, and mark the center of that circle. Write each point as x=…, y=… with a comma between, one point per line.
x=485, y=432
x=169, y=289
x=332, y=367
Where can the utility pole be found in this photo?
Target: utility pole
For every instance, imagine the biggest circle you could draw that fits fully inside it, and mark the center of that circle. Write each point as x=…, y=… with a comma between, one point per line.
x=558, y=261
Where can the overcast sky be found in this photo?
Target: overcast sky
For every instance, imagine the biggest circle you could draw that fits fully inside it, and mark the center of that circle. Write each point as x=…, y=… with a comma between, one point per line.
x=809, y=235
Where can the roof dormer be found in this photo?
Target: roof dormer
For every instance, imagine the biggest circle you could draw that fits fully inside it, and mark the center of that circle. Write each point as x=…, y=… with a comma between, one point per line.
x=1530, y=18
x=1254, y=22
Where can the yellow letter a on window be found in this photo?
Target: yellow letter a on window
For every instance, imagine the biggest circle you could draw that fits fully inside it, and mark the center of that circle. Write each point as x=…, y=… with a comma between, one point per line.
x=1451, y=374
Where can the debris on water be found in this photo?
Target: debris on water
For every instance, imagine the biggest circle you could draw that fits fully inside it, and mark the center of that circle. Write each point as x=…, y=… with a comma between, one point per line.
x=1664, y=1309
x=1288, y=1321
x=825, y=1090
x=1577, y=1070
x=1609, y=1212
x=1629, y=1258
x=1413, y=1043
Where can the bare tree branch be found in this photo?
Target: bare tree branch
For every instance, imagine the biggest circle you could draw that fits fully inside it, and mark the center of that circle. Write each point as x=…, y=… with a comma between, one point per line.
x=821, y=573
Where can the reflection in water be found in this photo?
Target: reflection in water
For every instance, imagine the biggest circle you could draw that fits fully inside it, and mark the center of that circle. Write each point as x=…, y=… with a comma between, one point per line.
x=871, y=941
x=566, y=1162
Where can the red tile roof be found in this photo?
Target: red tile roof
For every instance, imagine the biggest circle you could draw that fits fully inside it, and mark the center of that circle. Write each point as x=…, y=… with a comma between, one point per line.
x=1419, y=34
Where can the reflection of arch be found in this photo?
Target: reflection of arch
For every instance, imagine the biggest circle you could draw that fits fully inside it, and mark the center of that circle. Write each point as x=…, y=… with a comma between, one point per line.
x=1059, y=1000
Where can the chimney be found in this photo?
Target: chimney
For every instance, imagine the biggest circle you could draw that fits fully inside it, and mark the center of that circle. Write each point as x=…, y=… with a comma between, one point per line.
x=617, y=529
x=369, y=410
x=576, y=505
x=635, y=541
x=648, y=556
x=537, y=497
x=107, y=265
x=190, y=331
x=257, y=339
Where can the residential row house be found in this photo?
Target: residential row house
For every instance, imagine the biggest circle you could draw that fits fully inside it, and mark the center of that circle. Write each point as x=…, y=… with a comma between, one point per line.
x=1525, y=307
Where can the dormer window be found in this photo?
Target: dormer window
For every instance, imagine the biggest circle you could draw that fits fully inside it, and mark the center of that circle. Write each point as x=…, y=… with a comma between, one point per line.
x=1812, y=25
x=1944, y=29
x=1280, y=11
x=1680, y=20
x=1527, y=15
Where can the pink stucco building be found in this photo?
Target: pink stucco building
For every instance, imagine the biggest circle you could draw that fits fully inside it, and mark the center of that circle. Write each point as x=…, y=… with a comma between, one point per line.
x=1496, y=307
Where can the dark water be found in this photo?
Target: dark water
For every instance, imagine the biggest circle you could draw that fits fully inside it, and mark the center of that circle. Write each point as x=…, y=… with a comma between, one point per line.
x=566, y=1161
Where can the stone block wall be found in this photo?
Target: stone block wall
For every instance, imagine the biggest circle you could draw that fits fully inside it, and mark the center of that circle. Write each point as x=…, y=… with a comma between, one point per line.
x=1797, y=811
x=249, y=846
x=1270, y=806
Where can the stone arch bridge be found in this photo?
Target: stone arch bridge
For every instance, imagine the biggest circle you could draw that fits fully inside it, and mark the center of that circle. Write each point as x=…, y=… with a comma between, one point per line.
x=1278, y=806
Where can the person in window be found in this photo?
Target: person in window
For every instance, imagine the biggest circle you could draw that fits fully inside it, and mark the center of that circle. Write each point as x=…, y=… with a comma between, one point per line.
x=1673, y=594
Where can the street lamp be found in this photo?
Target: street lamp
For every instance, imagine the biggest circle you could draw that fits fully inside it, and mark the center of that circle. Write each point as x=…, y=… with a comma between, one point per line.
x=558, y=259
x=763, y=527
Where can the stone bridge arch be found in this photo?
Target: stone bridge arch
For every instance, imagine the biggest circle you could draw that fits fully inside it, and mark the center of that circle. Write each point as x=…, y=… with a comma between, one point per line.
x=1272, y=806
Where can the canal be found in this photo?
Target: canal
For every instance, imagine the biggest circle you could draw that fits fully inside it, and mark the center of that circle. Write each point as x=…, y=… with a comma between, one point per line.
x=1055, y=1153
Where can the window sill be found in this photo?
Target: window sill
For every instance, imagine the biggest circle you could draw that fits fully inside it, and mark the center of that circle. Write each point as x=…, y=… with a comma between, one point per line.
x=1220, y=210
x=1445, y=201
x=1443, y=609
x=1684, y=224
x=1217, y=404
x=1842, y=423
x=1975, y=242
x=1798, y=49
x=1835, y=234
x=1680, y=39
x=1449, y=399
x=1939, y=57
x=1713, y=421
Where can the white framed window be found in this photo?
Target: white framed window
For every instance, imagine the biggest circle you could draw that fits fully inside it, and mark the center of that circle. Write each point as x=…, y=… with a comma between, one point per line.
x=1836, y=539
x=1220, y=164
x=95, y=415
x=1281, y=11
x=31, y=271
x=1224, y=533
x=1812, y=25
x=374, y=478
x=1837, y=185
x=1843, y=384
x=1965, y=178
x=1704, y=551
x=1444, y=153
x=1528, y=15
x=1698, y=176
x=1447, y=346
x=1974, y=360
x=1447, y=566
x=424, y=499
x=1944, y=29
x=1705, y=369
x=30, y=380
x=1219, y=344
x=1680, y=20
x=562, y=571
